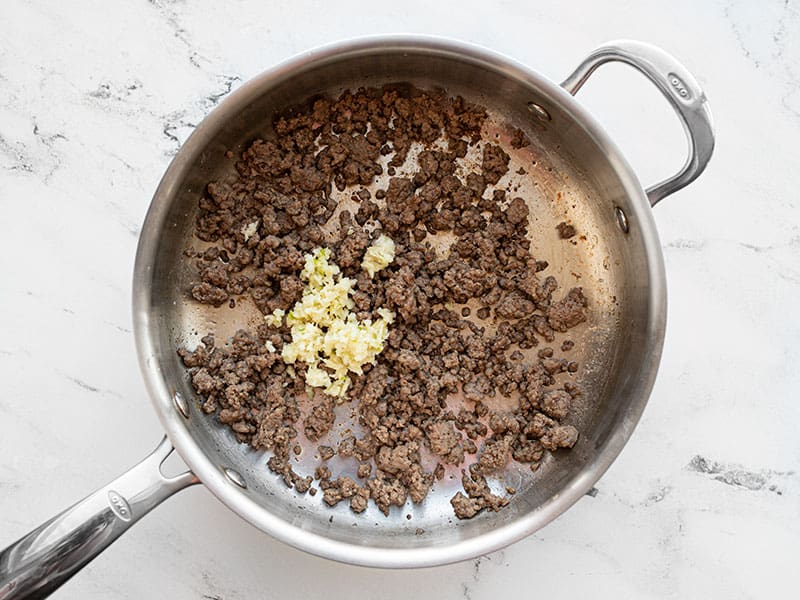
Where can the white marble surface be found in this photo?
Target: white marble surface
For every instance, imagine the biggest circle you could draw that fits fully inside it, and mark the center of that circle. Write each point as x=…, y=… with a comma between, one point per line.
x=95, y=97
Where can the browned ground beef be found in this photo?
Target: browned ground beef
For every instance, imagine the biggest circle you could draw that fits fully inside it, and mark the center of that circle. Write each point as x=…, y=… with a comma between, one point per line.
x=519, y=139
x=434, y=351
x=565, y=230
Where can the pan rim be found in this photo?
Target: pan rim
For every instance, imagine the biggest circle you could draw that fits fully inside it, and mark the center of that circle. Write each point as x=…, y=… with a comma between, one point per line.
x=160, y=390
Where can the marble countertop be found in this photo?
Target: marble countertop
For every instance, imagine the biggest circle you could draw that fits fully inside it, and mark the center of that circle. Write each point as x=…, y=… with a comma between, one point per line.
x=95, y=98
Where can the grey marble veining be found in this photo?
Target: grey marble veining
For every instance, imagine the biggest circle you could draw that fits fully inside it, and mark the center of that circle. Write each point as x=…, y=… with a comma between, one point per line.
x=95, y=99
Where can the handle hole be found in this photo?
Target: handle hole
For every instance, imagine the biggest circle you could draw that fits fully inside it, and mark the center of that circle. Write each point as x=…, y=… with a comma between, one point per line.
x=173, y=466
x=639, y=120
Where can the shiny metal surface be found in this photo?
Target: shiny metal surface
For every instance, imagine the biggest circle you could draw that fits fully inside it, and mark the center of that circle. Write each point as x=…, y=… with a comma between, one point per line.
x=572, y=171
x=40, y=562
x=678, y=86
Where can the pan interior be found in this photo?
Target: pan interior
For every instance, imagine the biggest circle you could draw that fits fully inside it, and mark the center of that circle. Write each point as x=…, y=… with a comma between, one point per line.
x=568, y=176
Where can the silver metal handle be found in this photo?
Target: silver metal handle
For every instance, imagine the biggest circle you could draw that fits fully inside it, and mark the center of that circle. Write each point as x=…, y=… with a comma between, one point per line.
x=37, y=564
x=678, y=86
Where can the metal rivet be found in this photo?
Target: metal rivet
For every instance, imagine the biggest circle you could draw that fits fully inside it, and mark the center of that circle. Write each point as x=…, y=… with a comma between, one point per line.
x=181, y=404
x=539, y=111
x=235, y=477
x=622, y=219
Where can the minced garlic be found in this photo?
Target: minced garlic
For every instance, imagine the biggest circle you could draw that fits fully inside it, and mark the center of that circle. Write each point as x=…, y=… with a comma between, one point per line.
x=316, y=377
x=276, y=318
x=250, y=230
x=349, y=344
x=325, y=333
x=379, y=255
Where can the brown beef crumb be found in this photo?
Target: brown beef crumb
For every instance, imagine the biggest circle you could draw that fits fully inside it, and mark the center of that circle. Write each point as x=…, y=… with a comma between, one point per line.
x=435, y=354
x=446, y=442
x=569, y=312
x=479, y=497
x=320, y=420
x=465, y=507
x=387, y=493
x=207, y=293
x=495, y=163
x=364, y=470
x=556, y=404
x=565, y=231
x=359, y=501
x=519, y=139
x=494, y=454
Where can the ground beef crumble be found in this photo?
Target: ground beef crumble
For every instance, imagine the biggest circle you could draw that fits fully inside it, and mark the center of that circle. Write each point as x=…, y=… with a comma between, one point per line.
x=256, y=229
x=565, y=230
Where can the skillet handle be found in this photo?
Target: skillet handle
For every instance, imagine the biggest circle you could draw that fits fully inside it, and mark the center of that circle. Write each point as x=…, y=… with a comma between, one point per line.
x=37, y=564
x=678, y=86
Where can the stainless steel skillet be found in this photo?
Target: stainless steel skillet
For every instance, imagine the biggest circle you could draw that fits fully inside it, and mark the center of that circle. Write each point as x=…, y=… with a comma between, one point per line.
x=573, y=171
